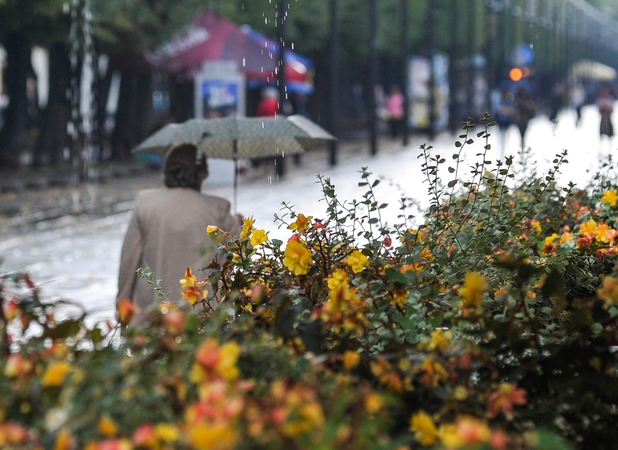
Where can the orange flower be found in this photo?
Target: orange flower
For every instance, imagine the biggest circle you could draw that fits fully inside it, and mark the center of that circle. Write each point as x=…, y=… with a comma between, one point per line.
x=301, y=224
x=144, y=436
x=107, y=426
x=126, y=310
x=351, y=359
x=17, y=366
x=64, y=440
x=433, y=372
x=504, y=398
x=192, y=290
x=56, y=372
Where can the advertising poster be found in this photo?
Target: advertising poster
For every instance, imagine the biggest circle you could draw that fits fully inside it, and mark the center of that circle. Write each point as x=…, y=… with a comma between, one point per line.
x=219, y=91
x=220, y=98
x=419, y=73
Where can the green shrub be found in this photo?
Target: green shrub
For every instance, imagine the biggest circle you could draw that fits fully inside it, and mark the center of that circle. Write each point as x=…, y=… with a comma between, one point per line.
x=491, y=324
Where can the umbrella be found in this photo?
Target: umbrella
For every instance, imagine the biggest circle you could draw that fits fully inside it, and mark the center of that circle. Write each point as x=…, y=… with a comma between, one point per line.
x=592, y=70
x=240, y=137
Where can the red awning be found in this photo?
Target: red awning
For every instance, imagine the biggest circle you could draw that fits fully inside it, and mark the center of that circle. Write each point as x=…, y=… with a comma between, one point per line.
x=210, y=37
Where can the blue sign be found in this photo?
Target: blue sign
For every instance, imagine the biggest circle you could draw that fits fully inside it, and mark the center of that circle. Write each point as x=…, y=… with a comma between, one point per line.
x=220, y=98
x=522, y=55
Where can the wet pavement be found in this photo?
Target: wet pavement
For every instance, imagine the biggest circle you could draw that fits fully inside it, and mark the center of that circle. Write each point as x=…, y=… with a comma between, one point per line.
x=69, y=236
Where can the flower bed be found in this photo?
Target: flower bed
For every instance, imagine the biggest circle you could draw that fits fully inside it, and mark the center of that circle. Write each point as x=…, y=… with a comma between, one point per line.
x=491, y=325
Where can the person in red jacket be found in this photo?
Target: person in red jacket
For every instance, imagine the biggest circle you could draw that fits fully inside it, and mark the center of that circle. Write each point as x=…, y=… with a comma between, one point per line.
x=269, y=106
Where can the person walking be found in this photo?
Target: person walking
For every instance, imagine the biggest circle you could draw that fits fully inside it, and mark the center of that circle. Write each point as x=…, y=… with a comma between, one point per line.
x=269, y=105
x=394, y=107
x=605, y=104
x=525, y=110
x=578, y=99
x=167, y=231
x=505, y=113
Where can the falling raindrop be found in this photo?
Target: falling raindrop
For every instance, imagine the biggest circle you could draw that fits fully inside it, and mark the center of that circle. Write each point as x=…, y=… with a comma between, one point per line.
x=244, y=62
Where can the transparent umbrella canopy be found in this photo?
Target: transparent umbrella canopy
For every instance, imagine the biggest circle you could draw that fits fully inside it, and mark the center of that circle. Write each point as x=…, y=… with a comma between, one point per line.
x=240, y=137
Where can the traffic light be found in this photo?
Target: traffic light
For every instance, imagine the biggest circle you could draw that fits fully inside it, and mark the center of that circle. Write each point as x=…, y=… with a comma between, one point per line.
x=519, y=73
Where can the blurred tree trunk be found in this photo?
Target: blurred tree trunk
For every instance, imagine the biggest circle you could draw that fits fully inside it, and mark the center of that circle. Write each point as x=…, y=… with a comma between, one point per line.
x=133, y=116
x=18, y=68
x=53, y=138
x=104, y=82
x=181, y=89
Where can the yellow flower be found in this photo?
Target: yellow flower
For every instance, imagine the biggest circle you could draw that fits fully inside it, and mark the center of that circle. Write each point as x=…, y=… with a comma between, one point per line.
x=610, y=197
x=247, y=227
x=374, y=403
x=54, y=375
x=167, y=432
x=339, y=290
x=351, y=359
x=258, y=237
x=425, y=431
x=603, y=233
x=474, y=287
x=565, y=237
x=338, y=278
x=229, y=356
x=192, y=292
x=107, y=426
x=188, y=281
x=212, y=229
x=433, y=372
x=357, y=261
x=440, y=339
x=608, y=292
x=64, y=440
x=450, y=437
x=536, y=226
x=297, y=258
x=301, y=224
x=207, y=436
x=588, y=228
x=551, y=239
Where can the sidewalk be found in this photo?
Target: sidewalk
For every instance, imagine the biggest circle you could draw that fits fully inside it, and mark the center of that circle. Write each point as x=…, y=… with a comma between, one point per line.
x=30, y=196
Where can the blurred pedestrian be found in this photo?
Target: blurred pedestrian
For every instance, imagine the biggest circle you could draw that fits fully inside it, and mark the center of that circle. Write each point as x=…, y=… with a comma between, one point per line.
x=578, y=98
x=525, y=110
x=269, y=105
x=394, y=106
x=381, y=111
x=605, y=103
x=557, y=101
x=505, y=113
x=167, y=231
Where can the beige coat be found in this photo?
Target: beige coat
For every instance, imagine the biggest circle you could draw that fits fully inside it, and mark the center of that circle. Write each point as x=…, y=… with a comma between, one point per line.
x=167, y=234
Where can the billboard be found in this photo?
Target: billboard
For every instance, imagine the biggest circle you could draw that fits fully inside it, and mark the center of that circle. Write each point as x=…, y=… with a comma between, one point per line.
x=419, y=83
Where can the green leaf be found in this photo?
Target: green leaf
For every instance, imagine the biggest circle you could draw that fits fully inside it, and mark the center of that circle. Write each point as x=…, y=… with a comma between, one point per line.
x=396, y=276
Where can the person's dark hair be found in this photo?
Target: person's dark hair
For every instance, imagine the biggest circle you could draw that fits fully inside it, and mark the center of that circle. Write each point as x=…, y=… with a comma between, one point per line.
x=183, y=169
